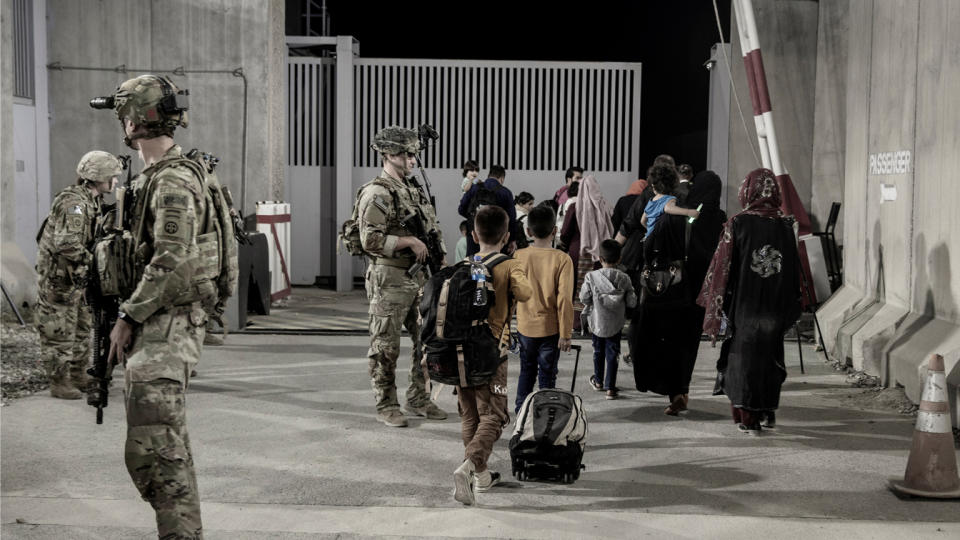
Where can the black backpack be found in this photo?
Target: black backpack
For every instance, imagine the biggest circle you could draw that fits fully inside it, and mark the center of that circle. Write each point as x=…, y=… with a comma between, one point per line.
x=458, y=347
x=483, y=197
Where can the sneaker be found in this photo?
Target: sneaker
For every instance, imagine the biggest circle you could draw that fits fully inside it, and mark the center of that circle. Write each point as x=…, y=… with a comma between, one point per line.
x=768, y=420
x=430, y=411
x=595, y=383
x=486, y=480
x=750, y=430
x=464, y=481
x=392, y=418
x=613, y=393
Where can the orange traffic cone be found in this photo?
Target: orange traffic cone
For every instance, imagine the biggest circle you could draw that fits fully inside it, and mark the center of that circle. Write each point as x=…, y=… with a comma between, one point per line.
x=932, y=466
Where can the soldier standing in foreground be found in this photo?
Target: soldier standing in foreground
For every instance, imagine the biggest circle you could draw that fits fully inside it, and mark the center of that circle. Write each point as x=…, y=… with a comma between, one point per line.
x=160, y=327
x=384, y=207
x=65, y=253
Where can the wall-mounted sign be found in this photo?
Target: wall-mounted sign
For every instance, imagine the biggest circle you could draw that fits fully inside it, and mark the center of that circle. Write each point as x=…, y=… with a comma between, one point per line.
x=888, y=193
x=899, y=162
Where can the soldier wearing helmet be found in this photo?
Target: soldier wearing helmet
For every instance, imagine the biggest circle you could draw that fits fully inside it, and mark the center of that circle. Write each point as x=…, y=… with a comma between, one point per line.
x=65, y=245
x=160, y=328
x=383, y=205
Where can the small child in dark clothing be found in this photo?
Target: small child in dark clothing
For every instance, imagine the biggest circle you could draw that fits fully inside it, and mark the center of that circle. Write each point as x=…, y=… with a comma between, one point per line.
x=606, y=293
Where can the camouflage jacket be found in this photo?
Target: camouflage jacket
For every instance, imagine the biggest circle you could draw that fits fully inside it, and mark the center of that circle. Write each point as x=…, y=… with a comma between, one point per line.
x=65, y=242
x=381, y=212
x=165, y=221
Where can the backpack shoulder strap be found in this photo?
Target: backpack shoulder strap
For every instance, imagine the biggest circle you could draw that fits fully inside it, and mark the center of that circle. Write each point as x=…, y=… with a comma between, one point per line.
x=493, y=259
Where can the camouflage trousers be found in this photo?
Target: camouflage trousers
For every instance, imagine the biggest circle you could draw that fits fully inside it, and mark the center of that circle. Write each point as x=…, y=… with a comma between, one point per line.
x=394, y=300
x=157, y=452
x=63, y=320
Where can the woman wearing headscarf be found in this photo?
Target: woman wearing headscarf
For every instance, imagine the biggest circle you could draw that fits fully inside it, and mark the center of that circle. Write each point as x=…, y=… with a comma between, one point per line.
x=585, y=226
x=754, y=278
x=665, y=326
x=705, y=192
x=624, y=203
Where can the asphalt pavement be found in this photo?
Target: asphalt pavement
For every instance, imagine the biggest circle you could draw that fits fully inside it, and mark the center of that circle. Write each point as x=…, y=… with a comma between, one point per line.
x=286, y=446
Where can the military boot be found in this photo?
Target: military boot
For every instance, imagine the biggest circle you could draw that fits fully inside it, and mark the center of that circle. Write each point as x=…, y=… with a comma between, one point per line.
x=61, y=387
x=212, y=340
x=392, y=418
x=78, y=376
x=429, y=410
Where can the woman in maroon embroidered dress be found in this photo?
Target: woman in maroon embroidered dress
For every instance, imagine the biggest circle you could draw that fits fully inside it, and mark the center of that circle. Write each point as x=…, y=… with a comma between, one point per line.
x=754, y=278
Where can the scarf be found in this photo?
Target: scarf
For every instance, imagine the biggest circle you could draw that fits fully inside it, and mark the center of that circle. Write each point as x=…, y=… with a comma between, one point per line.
x=759, y=196
x=637, y=187
x=593, y=217
x=706, y=190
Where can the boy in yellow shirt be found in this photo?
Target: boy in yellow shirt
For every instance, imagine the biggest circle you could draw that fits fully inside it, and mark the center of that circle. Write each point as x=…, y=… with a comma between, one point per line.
x=545, y=322
x=483, y=409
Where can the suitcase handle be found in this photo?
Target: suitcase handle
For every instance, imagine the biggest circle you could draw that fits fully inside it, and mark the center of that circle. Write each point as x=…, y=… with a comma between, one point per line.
x=576, y=362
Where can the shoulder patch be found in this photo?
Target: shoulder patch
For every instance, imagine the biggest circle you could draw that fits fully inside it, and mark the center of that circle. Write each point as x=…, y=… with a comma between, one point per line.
x=173, y=200
x=76, y=209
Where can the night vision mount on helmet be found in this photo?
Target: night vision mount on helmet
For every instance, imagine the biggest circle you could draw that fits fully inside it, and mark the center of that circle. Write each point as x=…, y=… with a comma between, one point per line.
x=150, y=101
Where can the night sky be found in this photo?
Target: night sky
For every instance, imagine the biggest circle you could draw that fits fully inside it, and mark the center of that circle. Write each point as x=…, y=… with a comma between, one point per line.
x=672, y=38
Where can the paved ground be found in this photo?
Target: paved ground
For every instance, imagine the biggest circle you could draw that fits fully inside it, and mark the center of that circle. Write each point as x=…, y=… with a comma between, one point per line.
x=311, y=308
x=287, y=447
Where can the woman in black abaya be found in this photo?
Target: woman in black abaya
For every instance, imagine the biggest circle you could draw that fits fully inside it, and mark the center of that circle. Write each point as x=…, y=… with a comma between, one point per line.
x=754, y=278
x=664, y=334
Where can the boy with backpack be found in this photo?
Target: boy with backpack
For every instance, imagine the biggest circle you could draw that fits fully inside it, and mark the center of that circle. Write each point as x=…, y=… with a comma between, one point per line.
x=483, y=407
x=545, y=322
x=607, y=293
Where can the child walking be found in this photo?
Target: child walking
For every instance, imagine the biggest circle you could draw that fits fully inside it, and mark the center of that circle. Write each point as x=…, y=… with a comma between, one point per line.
x=663, y=179
x=483, y=409
x=606, y=293
x=545, y=322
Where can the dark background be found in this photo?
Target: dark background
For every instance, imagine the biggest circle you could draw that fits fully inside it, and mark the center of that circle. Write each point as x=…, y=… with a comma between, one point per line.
x=672, y=38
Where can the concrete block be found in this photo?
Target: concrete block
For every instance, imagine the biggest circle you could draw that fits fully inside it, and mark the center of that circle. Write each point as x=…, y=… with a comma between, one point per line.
x=865, y=311
x=918, y=337
x=19, y=277
x=834, y=312
x=869, y=342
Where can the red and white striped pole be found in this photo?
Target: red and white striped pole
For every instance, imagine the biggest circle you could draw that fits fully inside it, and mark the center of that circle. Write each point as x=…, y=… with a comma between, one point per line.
x=766, y=131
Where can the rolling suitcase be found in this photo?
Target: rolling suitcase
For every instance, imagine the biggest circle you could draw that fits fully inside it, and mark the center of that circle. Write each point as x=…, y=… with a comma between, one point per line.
x=550, y=434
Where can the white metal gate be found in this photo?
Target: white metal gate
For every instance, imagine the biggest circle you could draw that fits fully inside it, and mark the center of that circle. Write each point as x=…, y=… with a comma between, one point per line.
x=534, y=118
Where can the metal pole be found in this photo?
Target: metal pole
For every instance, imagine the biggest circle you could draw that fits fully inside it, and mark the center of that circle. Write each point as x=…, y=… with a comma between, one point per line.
x=766, y=133
x=12, y=305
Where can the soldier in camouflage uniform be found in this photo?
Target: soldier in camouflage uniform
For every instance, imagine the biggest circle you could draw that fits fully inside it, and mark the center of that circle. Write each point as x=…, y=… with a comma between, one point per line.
x=160, y=327
x=65, y=243
x=395, y=296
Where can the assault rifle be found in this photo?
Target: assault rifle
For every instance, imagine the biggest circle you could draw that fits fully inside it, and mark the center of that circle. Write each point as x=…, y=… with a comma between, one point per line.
x=104, y=317
x=415, y=222
x=105, y=307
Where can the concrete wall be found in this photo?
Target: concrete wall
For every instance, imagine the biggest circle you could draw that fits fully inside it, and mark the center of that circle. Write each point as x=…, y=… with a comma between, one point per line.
x=31, y=153
x=899, y=301
x=216, y=35
x=788, y=44
x=7, y=197
x=829, y=134
x=17, y=273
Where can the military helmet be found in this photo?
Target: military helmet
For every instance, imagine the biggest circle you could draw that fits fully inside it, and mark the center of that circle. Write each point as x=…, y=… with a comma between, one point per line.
x=395, y=139
x=152, y=101
x=98, y=166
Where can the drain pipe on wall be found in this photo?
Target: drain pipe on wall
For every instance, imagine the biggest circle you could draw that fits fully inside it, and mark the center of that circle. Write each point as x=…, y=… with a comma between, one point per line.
x=181, y=71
